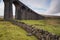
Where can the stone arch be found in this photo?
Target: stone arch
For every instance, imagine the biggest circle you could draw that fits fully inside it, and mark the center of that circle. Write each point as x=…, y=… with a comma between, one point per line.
x=21, y=11
x=8, y=12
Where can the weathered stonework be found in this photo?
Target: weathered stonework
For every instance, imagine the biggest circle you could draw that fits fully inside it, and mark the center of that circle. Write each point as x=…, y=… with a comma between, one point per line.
x=21, y=12
x=8, y=9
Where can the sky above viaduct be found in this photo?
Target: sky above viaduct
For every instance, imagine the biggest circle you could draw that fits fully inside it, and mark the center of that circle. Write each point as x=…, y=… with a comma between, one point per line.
x=43, y=7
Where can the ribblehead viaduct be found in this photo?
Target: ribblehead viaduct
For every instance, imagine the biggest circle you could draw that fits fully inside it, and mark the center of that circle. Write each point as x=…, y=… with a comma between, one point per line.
x=21, y=11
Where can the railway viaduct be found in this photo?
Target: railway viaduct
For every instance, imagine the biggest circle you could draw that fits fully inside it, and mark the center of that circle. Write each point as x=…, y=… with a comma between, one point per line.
x=21, y=11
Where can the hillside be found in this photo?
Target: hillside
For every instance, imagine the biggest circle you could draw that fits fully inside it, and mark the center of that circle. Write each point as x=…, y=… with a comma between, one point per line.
x=50, y=25
x=8, y=31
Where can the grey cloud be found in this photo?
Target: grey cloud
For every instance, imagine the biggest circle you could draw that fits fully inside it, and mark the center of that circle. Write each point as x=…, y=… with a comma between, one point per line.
x=35, y=3
x=0, y=0
x=54, y=7
x=1, y=9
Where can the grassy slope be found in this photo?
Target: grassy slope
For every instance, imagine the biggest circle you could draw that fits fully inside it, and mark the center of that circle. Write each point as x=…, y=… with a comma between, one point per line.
x=52, y=26
x=12, y=32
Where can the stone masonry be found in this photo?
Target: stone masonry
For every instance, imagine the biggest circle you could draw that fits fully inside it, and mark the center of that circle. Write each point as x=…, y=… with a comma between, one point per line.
x=21, y=11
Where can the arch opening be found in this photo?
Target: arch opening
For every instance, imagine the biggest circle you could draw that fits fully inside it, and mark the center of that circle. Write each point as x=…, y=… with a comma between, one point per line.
x=1, y=9
x=13, y=11
x=17, y=10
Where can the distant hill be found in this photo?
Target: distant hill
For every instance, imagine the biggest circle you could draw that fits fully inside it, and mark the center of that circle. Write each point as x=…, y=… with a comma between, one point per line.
x=46, y=16
x=51, y=16
x=1, y=16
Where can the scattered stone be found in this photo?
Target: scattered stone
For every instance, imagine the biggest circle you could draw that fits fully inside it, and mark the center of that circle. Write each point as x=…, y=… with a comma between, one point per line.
x=29, y=34
x=39, y=33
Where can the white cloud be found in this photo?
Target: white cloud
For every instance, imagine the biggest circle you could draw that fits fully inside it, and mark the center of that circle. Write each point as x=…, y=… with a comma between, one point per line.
x=54, y=8
x=13, y=9
x=1, y=9
x=35, y=3
x=38, y=6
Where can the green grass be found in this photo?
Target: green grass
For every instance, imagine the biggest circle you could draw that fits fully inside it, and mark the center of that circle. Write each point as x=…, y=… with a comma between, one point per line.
x=9, y=31
x=50, y=25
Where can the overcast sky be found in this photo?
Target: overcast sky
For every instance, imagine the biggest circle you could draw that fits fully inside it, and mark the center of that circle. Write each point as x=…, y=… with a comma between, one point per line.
x=44, y=7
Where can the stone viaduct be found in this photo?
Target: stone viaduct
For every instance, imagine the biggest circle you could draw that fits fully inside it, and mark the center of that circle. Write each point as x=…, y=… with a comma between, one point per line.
x=21, y=11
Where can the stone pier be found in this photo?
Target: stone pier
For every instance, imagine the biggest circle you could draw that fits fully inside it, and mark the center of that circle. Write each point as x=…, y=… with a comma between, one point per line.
x=8, y=14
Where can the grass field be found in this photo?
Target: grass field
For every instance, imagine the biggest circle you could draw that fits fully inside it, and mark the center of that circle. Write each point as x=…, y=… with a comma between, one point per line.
x=50, y=25
x=9, y=31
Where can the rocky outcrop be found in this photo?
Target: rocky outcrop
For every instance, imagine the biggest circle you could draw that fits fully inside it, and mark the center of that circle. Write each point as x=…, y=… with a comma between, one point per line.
x=39, y=33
